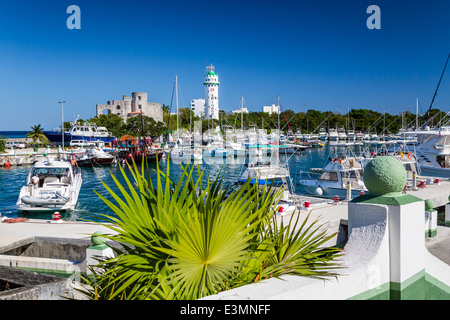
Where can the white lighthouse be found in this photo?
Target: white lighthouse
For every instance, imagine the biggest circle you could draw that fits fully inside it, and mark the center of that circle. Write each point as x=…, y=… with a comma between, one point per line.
x=211, y=94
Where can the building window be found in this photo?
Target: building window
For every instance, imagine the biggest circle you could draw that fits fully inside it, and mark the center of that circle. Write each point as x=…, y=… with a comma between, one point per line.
x=118, y=107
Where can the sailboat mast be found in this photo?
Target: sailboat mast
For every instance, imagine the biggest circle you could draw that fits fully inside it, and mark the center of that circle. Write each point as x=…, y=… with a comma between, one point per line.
x=242, y=112
x=279, y=133
x=417, y=114
x=176, y=100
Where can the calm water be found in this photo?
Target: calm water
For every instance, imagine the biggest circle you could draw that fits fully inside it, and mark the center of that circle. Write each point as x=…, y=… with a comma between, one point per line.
x=11, y=180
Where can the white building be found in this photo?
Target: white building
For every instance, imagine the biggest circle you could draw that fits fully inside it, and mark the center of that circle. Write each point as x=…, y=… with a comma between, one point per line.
x=243, y=110
x=198, y=107
x=132, y=106
x=271, y=109
x=211, y=94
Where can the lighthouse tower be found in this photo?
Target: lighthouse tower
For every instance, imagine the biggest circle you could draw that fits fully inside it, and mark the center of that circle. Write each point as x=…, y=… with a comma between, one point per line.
x=211, y=94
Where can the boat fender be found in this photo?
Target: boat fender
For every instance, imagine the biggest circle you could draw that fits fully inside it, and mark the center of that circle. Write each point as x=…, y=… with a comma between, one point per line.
x=318, y=191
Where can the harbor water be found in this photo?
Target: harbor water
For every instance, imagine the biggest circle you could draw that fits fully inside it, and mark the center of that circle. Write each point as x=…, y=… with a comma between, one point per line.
x=89, y=203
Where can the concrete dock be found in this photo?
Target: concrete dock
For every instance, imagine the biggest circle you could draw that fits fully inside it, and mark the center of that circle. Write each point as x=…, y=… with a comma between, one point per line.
x=333, y=216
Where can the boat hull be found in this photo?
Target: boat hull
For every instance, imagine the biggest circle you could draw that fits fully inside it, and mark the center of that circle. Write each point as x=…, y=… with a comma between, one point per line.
x=56, y=137
x=329, y=192
x=434, y=172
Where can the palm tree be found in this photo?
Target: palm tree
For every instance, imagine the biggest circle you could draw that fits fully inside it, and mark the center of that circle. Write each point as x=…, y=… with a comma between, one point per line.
x=184, y=240
x=37, y=134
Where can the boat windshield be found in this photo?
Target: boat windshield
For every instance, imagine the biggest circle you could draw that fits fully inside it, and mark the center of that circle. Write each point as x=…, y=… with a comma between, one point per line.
x=329, y=176
x=48, y=171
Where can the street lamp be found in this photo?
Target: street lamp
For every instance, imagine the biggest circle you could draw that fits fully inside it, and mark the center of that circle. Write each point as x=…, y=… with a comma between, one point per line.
x=62, y=123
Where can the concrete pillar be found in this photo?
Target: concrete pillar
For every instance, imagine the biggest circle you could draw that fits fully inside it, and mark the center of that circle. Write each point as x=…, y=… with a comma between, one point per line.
x=98, y=251
x=430, y=219
x=447, y=214
x=395, y=222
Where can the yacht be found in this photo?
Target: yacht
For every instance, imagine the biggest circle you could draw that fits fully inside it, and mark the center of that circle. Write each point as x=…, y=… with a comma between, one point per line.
x=95, y=157
x=359, y=135
x=433, y=152
x=322, y=134
x=86, y=131
x=333, y=135
x=373, y=136
x=351, y=135
x=49, y=188
x=334, y=178
x=341, y=134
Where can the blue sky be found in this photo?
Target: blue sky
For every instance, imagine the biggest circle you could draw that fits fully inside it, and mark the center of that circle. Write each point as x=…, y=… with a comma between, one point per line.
x=314, y=53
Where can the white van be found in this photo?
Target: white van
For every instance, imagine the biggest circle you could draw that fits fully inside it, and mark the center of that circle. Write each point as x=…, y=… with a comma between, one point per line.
x=81, y=143
x=15, y=145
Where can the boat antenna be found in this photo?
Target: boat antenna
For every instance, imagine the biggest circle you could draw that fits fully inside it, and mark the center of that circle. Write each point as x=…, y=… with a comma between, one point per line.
x=435, y=93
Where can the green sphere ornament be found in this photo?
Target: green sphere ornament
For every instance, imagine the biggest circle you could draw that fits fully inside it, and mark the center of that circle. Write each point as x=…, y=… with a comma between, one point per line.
x=384, y=175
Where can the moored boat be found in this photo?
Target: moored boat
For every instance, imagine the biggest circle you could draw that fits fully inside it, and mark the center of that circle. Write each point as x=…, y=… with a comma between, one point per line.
x=51, y=186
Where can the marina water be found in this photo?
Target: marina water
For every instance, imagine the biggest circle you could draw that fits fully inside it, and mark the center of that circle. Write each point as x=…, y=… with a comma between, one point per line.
x=12, y=179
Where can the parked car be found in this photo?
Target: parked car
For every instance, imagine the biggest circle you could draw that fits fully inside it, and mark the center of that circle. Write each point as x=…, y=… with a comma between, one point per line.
x=15, y=145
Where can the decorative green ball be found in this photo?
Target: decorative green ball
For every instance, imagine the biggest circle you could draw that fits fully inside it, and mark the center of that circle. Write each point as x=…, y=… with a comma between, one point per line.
x=97, y=239
x=429, y=204
x=384, y=175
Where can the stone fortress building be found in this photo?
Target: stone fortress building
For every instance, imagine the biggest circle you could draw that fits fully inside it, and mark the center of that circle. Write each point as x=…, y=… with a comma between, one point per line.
x=132, y=106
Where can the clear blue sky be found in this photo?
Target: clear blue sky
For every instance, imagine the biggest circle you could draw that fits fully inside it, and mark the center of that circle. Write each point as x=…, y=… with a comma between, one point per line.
x=314, y=53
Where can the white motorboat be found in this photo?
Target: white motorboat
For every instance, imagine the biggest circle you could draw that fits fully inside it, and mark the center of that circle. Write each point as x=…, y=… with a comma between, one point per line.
x=341, y=134
x=351, y=135
x=335, y=178
x=49, y=188
x=95, y=157
x=333, y=135
x=322, y=134
x=433, y=152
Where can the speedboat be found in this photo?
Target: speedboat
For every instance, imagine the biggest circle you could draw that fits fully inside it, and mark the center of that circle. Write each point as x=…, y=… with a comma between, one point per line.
x=52, y=190
x=433, y=153
x=333, y=135
x=341, y=134
x=322, y=134
x=95, y=157
x=339, y=174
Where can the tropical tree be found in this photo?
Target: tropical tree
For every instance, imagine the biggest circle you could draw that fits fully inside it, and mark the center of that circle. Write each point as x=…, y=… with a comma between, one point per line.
x=185, y=240
x=151, y=127
x=113, y=122
x=37, y=134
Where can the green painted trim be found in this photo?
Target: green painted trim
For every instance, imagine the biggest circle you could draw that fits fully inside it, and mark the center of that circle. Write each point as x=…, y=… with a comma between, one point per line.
x=439, y=284
x=394, y=199
x=420, y=286
x=379, y=293
x=430, y=233
x=99, y=247
x=407, y=282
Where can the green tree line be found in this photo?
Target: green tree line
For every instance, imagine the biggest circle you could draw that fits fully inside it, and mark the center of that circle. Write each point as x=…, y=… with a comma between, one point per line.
x=304, y=122
x=312, y=120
